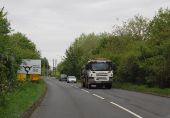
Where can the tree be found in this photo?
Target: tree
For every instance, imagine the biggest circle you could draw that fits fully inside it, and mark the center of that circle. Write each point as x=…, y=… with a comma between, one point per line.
x=45, y=66
x=23, y=47
x=4, y=24
x=135, y=27
x=159, y=27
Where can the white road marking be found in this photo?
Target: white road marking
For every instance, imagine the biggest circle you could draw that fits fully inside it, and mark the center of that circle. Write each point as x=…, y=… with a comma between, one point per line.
x=99, y=96
x=75, y=87
x=126, y=110
x=136, y=115
x=85, y=90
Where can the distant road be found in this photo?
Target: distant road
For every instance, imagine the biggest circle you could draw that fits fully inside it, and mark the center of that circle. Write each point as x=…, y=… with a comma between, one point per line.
x=65, y=100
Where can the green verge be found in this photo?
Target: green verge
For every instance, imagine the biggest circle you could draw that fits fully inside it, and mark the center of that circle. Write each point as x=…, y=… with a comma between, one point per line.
x=21, y=99
x=142, y=88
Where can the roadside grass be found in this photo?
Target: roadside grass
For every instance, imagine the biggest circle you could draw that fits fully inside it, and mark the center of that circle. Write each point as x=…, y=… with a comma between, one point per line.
x=21, y=99
x=142, y=88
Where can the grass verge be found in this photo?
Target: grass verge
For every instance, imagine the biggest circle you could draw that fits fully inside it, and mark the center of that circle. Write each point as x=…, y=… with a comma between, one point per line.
x=21, y=99
x=142, y=88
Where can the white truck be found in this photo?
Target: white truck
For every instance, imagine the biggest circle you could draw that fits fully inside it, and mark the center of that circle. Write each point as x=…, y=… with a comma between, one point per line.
x=97, y=73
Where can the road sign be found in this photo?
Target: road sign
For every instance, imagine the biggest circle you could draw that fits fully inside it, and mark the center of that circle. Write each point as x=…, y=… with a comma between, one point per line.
x=29, y=66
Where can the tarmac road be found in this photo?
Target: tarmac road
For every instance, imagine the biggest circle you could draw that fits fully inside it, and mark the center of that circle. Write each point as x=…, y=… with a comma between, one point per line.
x=66, y=100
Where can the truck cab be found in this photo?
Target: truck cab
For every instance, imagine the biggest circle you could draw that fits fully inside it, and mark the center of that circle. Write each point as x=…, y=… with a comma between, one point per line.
x=98, y=73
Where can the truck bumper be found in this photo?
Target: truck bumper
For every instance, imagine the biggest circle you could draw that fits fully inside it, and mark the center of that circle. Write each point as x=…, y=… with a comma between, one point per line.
x=93, y=82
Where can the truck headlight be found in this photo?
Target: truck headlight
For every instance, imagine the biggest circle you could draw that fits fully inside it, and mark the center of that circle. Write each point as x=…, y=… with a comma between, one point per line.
x=110, y=78
x=92, y=75
x=111, y=75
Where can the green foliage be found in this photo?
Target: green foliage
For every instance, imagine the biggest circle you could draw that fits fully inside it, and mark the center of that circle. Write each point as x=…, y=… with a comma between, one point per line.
x=21, y=99
x=159, y=27
x=45, y=66
x=139, y=50
x=13, y=48
x=142, y=88
x=22, y=46
x=136, y=28
x=4, y=24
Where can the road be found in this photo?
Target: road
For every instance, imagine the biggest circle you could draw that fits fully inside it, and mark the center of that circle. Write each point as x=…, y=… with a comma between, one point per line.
x=65, y=100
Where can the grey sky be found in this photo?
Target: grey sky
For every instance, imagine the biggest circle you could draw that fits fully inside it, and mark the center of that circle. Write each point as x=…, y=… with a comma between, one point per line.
x=54, y=24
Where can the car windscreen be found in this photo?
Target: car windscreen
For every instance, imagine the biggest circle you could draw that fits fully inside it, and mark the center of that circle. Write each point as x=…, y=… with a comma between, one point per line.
x=101, y=66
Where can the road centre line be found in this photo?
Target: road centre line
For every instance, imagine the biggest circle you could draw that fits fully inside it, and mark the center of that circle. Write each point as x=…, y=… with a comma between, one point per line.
x=99, y=96
x=85, y=90
x=75, y=87
x=126, y=110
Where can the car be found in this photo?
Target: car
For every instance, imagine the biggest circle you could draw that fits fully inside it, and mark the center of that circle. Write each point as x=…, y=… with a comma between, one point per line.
x=71, y=79
x=63, y=77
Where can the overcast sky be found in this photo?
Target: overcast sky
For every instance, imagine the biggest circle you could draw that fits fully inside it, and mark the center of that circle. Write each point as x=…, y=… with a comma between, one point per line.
x=54, y=24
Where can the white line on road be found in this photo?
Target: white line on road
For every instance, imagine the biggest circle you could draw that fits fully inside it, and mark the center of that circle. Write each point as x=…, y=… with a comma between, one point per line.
x=99, y=96
x=75, y=87
x=126, y=110
x=85, y=90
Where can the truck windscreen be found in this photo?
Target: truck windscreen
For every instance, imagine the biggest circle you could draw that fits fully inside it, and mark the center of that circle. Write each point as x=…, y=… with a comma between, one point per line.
x=101, y=66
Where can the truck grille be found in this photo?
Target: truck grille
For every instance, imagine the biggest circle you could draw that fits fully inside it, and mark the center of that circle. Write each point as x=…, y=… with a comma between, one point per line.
x=101, y=78
x=101, y=74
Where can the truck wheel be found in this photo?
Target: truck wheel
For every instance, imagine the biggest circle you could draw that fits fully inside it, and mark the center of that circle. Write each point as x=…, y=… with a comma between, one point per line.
x=89, y=86
x=83, y=84
x=86, y=85
x=109, y=86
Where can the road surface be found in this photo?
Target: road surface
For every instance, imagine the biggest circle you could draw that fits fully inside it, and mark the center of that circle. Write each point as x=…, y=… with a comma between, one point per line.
x=65, y=100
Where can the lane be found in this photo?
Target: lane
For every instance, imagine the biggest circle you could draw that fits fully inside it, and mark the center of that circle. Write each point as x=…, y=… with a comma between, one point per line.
x=148, y=106
x=65, y=101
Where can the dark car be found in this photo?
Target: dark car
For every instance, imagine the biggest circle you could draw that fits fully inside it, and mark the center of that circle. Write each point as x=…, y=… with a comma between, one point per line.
x=63, y=77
